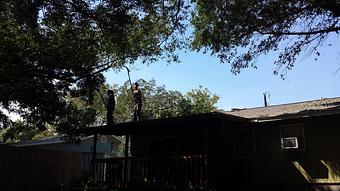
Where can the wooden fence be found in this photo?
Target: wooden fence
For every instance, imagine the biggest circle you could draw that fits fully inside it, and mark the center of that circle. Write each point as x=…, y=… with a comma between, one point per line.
x=34, y=170
x=153, y=173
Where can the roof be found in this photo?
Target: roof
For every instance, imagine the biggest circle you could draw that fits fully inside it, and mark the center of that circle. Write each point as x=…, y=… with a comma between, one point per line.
x=325, y=106
x=162, y=124
x=53, y=140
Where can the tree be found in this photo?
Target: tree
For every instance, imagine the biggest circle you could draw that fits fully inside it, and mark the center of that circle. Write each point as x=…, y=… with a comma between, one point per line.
x=18, y=132
x=158, y=102
x=53, y=48
x=239, y=31
x=202, y=100
x=161, y=103
x=50, y=49
x=21, y=131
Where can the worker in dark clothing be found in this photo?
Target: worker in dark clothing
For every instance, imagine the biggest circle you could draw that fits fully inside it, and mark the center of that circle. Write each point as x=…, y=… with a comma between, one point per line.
x=110, y=106
x=137, y=96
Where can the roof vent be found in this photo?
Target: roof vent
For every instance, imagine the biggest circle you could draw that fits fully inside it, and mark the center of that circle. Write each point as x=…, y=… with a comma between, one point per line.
x=266, y=95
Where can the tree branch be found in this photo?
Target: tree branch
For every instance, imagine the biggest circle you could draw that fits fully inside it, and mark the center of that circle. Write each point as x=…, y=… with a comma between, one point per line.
x=108, y=66
x=328, y=30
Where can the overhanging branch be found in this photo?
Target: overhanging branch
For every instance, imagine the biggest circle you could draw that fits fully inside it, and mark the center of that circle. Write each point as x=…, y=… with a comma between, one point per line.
x=328, y=30
x=108, y=66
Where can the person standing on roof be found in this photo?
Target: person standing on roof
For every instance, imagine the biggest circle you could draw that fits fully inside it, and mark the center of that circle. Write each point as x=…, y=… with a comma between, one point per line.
x=137, y=96
x=110, y=106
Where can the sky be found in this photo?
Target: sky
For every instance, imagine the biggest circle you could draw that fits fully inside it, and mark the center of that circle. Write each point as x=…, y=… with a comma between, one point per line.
x=309, y=79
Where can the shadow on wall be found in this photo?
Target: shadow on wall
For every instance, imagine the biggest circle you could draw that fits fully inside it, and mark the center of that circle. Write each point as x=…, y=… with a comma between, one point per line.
x=319, y=171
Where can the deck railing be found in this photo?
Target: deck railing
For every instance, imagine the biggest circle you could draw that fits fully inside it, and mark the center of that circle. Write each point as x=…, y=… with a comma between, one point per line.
x=161, y=173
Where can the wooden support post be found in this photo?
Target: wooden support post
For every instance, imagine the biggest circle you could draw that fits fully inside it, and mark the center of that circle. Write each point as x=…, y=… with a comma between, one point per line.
x=94, y=152
x=126, y=160
x=126, y=150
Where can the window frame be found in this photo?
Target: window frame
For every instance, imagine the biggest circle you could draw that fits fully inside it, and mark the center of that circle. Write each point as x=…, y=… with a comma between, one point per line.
x=302, y=138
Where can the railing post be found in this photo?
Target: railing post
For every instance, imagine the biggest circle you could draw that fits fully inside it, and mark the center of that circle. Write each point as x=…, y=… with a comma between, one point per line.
x=170, y=172
x=126, y=150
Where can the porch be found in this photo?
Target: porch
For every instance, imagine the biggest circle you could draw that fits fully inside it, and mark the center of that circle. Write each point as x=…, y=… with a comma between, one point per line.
x=155, y=173
x=160, y=162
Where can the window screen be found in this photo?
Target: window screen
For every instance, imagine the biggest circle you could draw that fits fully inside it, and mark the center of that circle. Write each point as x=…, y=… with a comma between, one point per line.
x=292, y=137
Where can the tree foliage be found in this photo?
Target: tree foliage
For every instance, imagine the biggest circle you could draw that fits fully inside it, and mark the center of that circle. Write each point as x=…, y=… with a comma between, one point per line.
x=239, y=31
x=201, y=100
x=52, y=48
x=21, y=131
x=158, y=102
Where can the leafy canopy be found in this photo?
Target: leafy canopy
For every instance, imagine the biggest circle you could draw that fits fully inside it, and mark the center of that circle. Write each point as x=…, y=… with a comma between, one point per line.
x=239, y=31
x=158, y=102
x=52, y=48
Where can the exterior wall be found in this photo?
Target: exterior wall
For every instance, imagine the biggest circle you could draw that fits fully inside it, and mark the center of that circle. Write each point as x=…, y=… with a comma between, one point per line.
x=195, y=138
x=105, y=148
x=317, y=163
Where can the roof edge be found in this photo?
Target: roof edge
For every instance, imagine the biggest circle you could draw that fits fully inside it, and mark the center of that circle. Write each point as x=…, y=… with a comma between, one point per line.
x=284, y=104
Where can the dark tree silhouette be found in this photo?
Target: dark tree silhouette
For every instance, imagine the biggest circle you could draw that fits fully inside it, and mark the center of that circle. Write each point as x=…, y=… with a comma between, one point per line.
x=238, y=31
x=52, y=48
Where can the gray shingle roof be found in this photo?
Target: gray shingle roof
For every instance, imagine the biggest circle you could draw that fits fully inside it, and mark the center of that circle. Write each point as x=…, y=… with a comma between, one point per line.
x=315, y=107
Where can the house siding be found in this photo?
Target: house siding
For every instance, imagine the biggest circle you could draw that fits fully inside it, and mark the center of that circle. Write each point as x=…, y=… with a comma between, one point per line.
x=318, y=162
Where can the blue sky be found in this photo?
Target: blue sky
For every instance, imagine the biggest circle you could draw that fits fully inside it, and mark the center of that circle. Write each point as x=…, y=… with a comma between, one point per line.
x=308, y=80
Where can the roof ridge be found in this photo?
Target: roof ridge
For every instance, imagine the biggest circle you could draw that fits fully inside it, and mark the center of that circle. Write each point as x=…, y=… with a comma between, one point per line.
x=292, y=103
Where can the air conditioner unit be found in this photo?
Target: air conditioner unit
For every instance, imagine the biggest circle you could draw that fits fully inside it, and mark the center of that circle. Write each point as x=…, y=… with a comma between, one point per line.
x=289, y=143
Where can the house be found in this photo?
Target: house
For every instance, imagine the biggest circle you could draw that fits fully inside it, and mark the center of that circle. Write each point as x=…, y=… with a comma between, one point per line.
x=281, y=147
x=51, y=163
x=107, y=146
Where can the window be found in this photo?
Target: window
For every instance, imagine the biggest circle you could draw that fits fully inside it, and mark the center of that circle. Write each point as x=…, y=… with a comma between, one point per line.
x=244, y=140
x=292, y=137
x=289, y=143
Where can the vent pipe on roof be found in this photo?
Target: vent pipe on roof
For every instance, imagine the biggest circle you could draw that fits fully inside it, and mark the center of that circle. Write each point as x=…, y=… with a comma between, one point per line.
x=265, y=94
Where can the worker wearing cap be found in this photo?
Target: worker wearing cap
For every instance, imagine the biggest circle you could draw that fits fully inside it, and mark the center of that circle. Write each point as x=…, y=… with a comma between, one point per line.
x=110, y=106
x=137, y=96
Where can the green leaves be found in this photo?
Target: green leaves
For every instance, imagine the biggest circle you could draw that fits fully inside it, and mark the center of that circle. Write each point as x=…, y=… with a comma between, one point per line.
x=53, y=48
x=240, y=31
x=158, y=102
x=202, y=100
